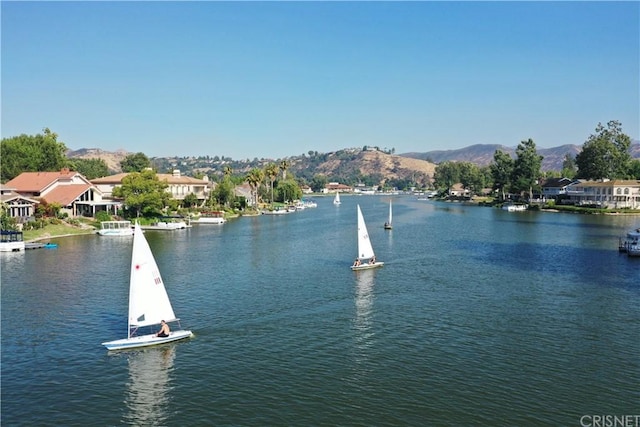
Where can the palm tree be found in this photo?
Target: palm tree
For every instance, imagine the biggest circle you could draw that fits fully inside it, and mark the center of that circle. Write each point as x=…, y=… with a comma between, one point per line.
x=271, y=172
x=254, y=178
x=284, y=165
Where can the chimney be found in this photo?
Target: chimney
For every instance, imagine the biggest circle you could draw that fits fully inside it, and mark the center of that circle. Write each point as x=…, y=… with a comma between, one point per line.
x=176, y=173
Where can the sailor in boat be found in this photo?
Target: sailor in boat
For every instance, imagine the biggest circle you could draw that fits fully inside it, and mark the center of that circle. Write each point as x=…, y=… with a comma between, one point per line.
x=373, y=260
x=164, y=330
x=356, y=262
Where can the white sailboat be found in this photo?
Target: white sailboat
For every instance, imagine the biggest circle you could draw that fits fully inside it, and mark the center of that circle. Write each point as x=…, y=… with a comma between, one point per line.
x=149, y=303
x=387, y=225
x=336, y=200
x=366, y=257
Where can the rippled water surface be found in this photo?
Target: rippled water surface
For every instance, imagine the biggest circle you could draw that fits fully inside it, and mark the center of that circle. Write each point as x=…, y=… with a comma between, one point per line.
x=479, y=317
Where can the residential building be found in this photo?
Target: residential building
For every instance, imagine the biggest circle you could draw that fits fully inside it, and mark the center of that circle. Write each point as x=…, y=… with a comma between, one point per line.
x=335, y=187
x=72, y=191
x=178, y=186
x=615, y=194
x=16, y=205
x=457, y=190
x=244, y=190
x=554, y=187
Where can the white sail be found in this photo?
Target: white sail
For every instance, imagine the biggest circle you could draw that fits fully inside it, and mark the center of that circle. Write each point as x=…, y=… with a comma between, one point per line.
x=336, y=200
x=148, y=299
x=390, y=213
x=365, y=250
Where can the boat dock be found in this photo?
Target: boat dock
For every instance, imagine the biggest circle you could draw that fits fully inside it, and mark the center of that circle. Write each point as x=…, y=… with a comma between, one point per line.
x=36, y=245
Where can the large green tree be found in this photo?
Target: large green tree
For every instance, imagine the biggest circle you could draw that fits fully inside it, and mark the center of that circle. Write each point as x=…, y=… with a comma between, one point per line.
x=288, y=190
x=605, y=154
x=318, y=183
x=634, y=169
x=224, y=192
x=569, y=168
x=526, y=168
x=89, y=168
x=143, y=194
x=32, y=153
x=446, y=174
x=501, y=172
x=135, y=163
x=471, y=177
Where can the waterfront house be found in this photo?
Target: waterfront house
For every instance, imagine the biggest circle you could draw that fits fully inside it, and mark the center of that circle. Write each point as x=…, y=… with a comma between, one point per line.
x=244, y=190
x=71, y=190
x=336, y=187
x=178, y=185
x=457, y=190
x=552, y=188
x=614, y=194
x=16, y=205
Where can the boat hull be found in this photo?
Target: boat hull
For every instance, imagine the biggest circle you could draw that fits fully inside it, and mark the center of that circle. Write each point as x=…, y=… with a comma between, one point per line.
x=208, y=220
x=633, y=250
x=12, y=246
x=146, y=340
x=115, y=233
x=367, y=266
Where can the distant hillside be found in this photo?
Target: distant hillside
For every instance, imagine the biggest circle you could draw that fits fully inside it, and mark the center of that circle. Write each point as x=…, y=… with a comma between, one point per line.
x=111, y=158
x=350, y=166
x=482, y=154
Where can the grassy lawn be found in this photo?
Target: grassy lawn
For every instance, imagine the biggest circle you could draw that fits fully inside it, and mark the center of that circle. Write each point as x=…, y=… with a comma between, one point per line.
x=54, y=230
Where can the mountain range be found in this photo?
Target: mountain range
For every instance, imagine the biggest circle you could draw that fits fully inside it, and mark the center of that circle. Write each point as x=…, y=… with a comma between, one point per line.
x=349, y=163
x=482, y=154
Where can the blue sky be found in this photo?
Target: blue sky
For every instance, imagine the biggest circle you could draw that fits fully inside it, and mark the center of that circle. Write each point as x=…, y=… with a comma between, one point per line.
x=277, y=79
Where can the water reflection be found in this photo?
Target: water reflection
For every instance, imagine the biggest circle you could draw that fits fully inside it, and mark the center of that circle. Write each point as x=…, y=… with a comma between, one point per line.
x=148, y=388
x=362, y=323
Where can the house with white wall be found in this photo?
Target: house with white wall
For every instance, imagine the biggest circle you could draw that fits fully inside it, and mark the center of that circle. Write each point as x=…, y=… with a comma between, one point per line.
x=613, y=194
x=177, y=185
x=71, y=190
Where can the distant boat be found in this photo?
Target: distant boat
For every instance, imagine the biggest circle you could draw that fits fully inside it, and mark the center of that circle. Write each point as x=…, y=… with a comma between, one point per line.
x=166, y=226
x=276, y=211
x=630, y=243
x=149, y=303
x=366, y=257
x=216, y=217
x=309, y=204
x=336, y=200
x=115, y=228
x=388, y=225
x=512, y=207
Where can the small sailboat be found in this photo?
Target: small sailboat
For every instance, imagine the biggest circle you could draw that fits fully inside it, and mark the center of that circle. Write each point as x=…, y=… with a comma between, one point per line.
x=149, y=303
x=336, y=200
x=366, y=257
x=387, y=225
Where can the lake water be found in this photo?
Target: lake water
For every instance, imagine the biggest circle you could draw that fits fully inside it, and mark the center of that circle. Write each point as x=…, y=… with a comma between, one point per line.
x=479, y=317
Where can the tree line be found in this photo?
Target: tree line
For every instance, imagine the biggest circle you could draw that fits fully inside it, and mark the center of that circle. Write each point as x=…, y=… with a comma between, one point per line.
x=605, y=155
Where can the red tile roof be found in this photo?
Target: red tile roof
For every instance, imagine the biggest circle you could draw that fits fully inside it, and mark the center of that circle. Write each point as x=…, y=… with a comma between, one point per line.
x=36, y=182
x=66, y=194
